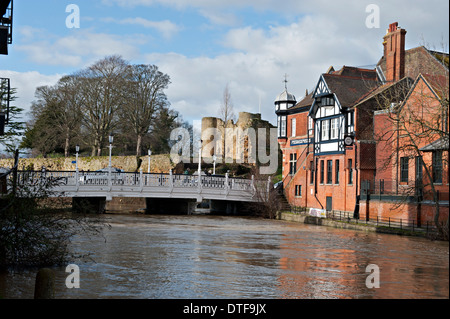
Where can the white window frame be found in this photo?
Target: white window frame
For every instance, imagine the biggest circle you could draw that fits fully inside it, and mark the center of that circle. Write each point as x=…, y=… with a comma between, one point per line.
x=310, y=125
x=293, y=127
x=334, y=130
x=283, y=126
x=325, y=127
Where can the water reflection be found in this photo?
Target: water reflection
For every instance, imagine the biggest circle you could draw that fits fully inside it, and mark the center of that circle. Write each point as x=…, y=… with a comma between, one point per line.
x=331, y=263
x=229, y=257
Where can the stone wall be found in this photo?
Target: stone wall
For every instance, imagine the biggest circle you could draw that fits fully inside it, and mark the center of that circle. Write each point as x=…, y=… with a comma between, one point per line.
x=158, y=164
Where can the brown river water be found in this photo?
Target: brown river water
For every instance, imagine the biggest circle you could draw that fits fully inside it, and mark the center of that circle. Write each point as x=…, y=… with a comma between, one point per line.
x=191, y=257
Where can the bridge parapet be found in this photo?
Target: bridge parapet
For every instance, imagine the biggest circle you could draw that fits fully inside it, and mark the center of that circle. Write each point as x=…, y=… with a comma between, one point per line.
x=131, y=184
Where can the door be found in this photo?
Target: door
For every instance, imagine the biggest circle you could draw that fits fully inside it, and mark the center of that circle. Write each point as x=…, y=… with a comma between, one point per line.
x=329, y=204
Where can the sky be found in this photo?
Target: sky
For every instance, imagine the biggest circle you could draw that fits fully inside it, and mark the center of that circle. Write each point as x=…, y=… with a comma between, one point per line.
x=205, y=45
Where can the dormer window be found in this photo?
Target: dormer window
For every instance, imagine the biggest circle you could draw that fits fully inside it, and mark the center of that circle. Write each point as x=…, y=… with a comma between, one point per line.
x=325, y=101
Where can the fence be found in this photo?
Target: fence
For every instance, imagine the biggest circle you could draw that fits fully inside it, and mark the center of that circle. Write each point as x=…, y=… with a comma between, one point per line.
x=389, y=222
x=412, y=190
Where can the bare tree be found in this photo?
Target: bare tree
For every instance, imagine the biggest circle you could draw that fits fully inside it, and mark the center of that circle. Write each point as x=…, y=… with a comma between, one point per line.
x=69, y=115
x=226, y=113
x=57, y=115
x=102, y=94
x=268, y=200
x=144, y=94
x=415, y=127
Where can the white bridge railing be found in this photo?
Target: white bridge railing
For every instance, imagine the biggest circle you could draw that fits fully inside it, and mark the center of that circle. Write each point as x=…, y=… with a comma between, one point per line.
x=148, y=185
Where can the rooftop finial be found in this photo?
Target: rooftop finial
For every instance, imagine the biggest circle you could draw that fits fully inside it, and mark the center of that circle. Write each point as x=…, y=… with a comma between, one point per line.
x=285, y=81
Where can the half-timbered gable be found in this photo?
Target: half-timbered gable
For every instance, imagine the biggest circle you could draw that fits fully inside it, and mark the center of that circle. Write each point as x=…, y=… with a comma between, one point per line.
x=332, y=111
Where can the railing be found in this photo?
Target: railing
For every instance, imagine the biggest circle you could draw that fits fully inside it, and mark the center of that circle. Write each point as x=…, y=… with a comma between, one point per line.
x=137, y=179
x=402, y=224
x=413, y=190
x=427, y=227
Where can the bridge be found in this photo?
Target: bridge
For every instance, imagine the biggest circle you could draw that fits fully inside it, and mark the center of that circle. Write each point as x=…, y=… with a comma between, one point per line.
x=182, y=191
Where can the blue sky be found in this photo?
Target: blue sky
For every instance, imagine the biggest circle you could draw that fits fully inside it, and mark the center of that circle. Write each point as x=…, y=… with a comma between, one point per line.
x=204, y=44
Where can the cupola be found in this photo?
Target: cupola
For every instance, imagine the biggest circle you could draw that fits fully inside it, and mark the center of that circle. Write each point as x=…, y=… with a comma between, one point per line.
x=283, y=102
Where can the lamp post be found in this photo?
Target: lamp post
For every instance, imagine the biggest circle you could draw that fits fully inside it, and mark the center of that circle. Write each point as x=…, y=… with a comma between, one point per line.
x=149, y=157
x=200, y=160
x=214, y=164
x=111, y=140
x=77, y=179
x=77, y=149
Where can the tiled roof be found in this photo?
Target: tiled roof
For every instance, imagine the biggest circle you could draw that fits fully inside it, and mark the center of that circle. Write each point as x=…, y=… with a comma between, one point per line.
x=438, y=145
x=349, y=89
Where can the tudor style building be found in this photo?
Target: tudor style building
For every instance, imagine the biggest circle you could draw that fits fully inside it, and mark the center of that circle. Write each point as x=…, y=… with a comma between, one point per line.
x=330, y=149
x=321, y=146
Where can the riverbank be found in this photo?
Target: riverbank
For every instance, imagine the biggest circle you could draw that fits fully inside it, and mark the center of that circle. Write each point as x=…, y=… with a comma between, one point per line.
x=353, y=224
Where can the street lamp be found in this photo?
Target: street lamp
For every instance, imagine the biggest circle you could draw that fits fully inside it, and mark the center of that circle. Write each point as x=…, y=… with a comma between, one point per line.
x=149, y=156
x=200, y=160
x=214, y=164
x=77, y=180
x=77, y=149
x=111, y=140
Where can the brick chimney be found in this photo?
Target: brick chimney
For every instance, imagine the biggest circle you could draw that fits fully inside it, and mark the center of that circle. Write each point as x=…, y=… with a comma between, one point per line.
x=394, y=52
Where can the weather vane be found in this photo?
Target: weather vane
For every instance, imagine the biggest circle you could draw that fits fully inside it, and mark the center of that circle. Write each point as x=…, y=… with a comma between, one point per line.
x=285, y=81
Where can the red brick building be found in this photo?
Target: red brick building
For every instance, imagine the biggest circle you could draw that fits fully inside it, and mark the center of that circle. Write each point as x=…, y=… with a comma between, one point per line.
x=332, y=150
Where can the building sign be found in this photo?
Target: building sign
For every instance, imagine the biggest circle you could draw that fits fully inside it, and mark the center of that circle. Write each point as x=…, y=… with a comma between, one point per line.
x=321, y=213
x=302, y=141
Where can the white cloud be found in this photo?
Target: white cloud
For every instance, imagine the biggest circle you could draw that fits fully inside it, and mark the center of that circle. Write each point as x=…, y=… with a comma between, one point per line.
x=79, y=48
x=26, y=84
x=319, y=34
x=167, y=28
x=255, y=68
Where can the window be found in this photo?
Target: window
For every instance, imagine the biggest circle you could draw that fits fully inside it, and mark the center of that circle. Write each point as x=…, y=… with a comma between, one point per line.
x=437, y=167
x=293, y=127
x=336, y=175
x=298, y=190
x=322, y=171
x=419, y=169
x=404, y=167
x=350, y=171
x=310, y=125
x=327, y=101
x=325, y=130
x=311, y=176
x=350, y=121
x=292, y=163
x=330, y=129
x=334, y=128
x=282, y=126
x=330, y=172
x=279, y=126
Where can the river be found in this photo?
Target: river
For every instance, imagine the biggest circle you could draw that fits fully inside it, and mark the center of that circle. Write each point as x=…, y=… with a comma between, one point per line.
x=144, y=256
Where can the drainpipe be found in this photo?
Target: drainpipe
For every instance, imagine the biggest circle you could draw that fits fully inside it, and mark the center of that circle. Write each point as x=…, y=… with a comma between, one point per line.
x=396, y=160
x=315, y=183
x=356, y=166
